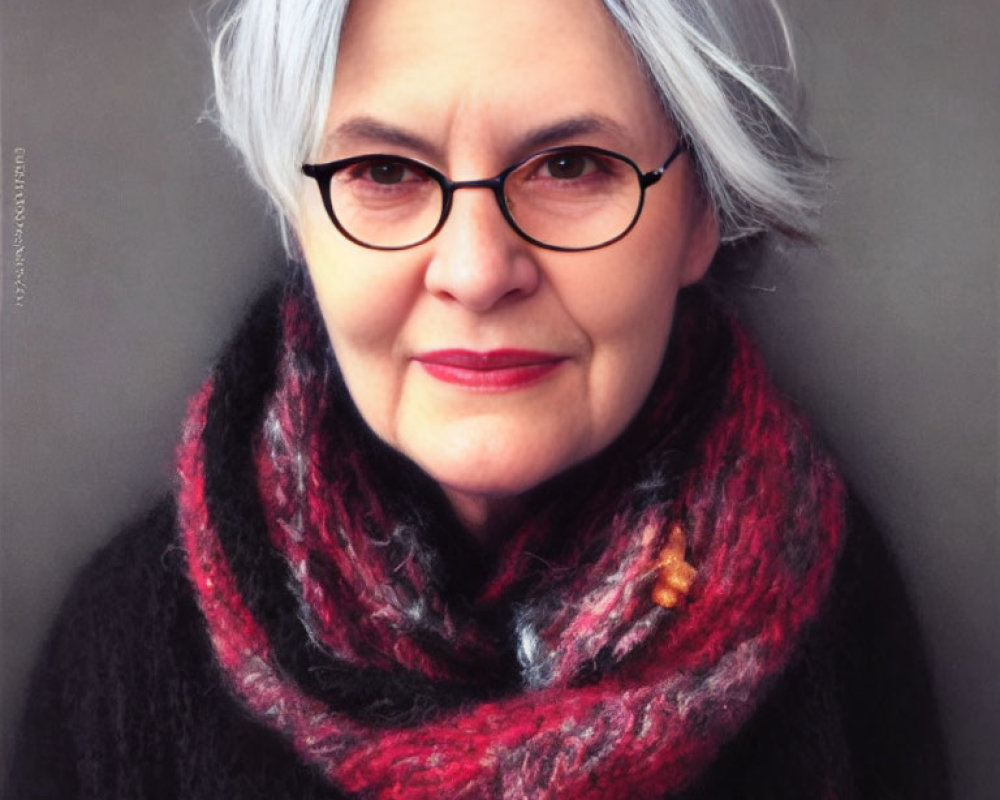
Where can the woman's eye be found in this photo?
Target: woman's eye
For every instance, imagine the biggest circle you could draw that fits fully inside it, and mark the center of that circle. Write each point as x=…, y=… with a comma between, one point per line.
x=388, y=172
x=385, y=173
x=566, y=166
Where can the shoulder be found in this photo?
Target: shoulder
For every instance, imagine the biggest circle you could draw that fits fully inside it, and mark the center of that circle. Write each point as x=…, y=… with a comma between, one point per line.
x=866, y=652
x=91, y=665
x=129, y=602
x=856, y=704
x=871, y=637
x=140, y=570
x=126, y=699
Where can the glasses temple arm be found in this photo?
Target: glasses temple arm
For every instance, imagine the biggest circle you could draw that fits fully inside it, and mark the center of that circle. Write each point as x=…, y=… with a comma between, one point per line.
x=649, y=178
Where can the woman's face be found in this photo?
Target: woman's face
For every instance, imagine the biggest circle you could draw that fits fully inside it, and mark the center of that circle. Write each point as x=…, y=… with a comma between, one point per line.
x=572, y=341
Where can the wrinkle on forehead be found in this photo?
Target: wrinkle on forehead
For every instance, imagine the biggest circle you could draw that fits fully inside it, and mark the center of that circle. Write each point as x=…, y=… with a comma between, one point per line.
x=479, y=73
x=369, y=131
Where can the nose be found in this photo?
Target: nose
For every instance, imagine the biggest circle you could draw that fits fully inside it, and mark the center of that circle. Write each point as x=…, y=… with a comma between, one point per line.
x=478, y=260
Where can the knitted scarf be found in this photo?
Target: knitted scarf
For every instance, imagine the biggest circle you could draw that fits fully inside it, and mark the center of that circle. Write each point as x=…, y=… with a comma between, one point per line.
x=349, y=612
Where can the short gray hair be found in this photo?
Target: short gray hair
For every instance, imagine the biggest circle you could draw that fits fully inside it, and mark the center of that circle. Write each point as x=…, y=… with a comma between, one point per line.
x=725, y=70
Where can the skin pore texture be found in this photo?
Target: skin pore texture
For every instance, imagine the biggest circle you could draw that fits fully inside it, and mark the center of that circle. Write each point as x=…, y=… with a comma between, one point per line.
x=469, y=87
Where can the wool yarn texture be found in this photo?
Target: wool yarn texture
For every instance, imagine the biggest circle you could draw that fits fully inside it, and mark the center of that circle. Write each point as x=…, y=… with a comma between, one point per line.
x=347, y=613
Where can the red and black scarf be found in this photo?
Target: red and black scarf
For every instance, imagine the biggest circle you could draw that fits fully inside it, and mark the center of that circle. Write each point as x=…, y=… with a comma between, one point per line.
x=348, y=613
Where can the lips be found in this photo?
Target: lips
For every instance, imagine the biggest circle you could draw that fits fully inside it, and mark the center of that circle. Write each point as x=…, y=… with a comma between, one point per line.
x=496, y=370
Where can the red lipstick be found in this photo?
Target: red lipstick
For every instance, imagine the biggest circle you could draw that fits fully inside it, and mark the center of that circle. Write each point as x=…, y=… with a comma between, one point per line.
x=496, y=370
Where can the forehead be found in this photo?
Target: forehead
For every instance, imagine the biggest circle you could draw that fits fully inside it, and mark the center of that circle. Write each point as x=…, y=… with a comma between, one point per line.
x=444, y=66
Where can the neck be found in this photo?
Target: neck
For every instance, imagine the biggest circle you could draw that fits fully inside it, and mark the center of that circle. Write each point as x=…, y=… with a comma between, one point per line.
x=488, y=520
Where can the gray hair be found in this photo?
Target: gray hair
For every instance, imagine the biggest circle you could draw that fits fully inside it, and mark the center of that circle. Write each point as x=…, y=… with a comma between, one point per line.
x=725, y=71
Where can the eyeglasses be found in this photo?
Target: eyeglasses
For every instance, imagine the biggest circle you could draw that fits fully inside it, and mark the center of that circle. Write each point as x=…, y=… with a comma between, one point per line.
x=563, y=198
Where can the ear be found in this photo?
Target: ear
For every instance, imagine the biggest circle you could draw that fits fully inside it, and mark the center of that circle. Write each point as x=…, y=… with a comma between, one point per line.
x=703, y=241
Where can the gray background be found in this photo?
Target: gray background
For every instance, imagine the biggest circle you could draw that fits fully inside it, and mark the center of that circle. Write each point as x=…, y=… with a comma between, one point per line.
x=143, y=242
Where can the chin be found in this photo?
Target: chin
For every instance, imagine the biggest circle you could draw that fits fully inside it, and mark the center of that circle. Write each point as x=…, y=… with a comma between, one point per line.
x=492, y=469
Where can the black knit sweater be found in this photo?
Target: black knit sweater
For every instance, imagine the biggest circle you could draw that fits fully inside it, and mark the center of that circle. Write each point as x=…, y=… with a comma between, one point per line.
x=127, y=702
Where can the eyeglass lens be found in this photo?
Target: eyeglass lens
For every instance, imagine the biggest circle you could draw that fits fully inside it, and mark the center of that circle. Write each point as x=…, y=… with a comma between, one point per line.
x=569, y=199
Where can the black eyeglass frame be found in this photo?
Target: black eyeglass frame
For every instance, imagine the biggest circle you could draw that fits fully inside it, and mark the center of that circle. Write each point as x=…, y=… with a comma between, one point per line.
x=323, y=175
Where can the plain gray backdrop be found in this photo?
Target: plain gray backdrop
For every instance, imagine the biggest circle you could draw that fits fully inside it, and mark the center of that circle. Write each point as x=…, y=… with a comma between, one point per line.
x=143, y=241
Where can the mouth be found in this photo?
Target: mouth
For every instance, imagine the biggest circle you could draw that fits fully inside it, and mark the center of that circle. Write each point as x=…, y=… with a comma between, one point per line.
x=495, y=370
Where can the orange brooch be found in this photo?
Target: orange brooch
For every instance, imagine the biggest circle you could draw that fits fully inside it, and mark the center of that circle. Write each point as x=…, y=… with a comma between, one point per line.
x=676, y=575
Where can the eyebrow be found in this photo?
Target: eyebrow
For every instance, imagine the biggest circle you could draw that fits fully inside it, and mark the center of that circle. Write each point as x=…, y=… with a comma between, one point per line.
x=374, y=130
x=583, y=125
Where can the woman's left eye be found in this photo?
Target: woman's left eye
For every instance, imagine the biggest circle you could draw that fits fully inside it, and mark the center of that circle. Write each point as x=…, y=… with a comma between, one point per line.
x=567, y=166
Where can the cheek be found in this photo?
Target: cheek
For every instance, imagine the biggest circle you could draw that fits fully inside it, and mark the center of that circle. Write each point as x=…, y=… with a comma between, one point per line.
x=363, y=325
x=634, y=296
x=627, y=317
x=627, y=310
x=627, y=362
x=364, y=306
x=362, y=310
x=363, y=294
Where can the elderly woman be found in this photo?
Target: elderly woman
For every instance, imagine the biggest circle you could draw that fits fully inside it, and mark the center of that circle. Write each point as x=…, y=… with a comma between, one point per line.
x=494, y=499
